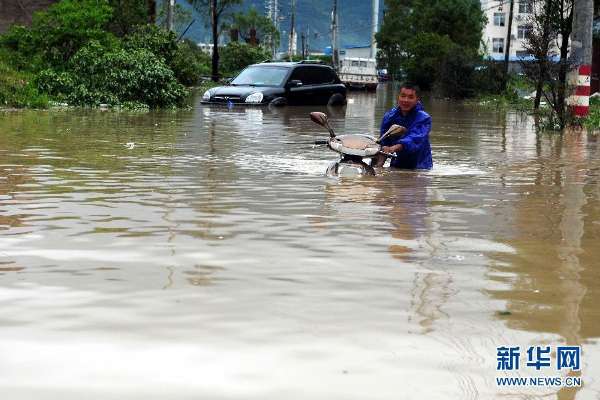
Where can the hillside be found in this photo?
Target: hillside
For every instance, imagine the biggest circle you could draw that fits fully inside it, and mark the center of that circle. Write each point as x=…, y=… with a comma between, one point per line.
x=311, y=16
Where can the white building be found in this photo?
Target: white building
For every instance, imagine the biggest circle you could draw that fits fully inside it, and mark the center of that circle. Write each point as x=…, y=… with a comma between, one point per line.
x=496, y=31
x=206, y=48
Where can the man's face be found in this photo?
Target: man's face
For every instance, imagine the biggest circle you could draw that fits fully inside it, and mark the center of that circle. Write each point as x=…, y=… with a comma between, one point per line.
x=407, y=99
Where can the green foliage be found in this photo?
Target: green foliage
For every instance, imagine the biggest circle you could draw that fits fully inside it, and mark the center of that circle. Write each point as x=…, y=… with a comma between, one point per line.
x=17, y=90
x=190, y=63
x=455, y=78
x=593, y=120
x=426, y=53
x=432, y=41
x=181, y=16
x=494, y=95
x=326, y=59
x=59, y=32
x=127, y=14
x=114, y=76
x=150, y=37
x=214, y=11
x=70, y=55
x=261, y=24
x=236, y=56
x=186, y=60
x=488, y=77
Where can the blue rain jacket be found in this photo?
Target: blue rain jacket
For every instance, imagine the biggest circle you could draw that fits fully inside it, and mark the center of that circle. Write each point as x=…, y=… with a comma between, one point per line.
x=416, y=150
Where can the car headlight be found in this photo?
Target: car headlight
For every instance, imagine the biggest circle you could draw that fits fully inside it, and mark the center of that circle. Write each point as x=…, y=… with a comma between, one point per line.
x=254, y=98
x=206, y=95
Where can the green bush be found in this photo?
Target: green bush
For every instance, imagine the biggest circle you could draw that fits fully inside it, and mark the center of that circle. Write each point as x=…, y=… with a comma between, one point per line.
x=114, y=76
x=236, y=56
x=127, y=15
x=190, y=63
x=150, y=37
x=69, y=54
x=56, y=34
x=488, y=77
x=186, y=60
x=593, y=120
x=17, y=90
x=455, y=76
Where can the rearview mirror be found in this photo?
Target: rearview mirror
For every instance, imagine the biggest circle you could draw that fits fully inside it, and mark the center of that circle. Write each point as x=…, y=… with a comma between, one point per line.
x=294, y=83
x=321, y=119
x=394, y=130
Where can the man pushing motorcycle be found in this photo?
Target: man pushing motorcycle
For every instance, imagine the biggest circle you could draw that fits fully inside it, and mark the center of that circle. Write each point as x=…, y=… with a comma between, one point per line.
x=412, y=149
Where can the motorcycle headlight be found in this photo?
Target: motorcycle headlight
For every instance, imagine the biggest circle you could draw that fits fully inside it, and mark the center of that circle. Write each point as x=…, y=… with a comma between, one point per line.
x=206, y=95
x=254, y=98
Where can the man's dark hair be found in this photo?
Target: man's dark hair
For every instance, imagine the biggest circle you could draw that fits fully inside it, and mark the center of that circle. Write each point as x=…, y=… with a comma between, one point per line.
x=410, y=86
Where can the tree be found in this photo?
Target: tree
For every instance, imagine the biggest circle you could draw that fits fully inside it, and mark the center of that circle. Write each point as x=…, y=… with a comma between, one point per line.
x=253, y=22
x=539, y=43
x=181, y=16
x=418, y=38
x=551, y=26
x=214, y=11
x=237, y=56
x=127, y=14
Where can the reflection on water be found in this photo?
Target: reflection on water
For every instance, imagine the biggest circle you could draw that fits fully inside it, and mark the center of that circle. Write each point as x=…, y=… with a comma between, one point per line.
x=204, y=253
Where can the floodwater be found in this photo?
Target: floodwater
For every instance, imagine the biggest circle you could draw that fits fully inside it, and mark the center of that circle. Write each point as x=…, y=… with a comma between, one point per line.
x=203, y=254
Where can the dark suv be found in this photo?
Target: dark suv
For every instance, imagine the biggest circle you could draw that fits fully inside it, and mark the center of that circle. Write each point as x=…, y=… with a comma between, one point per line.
x=281, y=83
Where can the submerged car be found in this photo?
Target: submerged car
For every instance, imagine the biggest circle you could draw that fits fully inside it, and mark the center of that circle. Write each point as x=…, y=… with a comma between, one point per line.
x=281, y=83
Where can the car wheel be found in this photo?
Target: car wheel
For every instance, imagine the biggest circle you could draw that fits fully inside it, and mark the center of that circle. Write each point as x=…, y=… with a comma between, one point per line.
x=337, y=99
x=278, y=102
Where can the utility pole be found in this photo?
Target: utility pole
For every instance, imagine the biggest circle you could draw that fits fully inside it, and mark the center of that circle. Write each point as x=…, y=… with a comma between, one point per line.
x=303, y=45
x=374, y=27
x=508, y=37
x=334, y=47
x=292, y=30
x=272, y=7
x=308, y=42
x=581, y=57
x=170, y=9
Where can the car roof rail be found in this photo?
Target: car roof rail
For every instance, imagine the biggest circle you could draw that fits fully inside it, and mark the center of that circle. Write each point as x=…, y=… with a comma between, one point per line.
x=266, y=61
x=311, y=62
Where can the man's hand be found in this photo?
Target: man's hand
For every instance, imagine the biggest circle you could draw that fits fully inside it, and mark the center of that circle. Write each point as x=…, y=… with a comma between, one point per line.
x=392, y=149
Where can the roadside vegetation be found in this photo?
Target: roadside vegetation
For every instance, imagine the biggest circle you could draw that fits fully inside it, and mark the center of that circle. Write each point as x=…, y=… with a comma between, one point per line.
x=439, y=48
x=88, y=53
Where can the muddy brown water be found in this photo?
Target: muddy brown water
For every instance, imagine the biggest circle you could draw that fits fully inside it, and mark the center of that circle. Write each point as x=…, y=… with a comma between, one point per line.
x=204, y=254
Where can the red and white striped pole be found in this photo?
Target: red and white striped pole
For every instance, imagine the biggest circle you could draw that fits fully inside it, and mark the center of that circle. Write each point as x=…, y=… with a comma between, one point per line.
x=580, y=100
x=581, y=57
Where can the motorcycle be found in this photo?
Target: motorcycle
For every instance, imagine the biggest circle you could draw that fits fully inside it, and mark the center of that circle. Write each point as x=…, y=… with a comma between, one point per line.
x=353, y=148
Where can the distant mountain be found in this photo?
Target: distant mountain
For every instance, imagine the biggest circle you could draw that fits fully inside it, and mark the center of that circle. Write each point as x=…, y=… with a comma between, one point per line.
x=312, y=16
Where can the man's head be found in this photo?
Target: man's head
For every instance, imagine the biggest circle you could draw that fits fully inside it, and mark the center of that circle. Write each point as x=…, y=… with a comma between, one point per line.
x=408, y=97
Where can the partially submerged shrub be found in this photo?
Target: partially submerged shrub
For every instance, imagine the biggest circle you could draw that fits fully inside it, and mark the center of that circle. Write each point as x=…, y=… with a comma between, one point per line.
x=17, y=90
x=56, y=34
x=159, y=41
x=114, y=76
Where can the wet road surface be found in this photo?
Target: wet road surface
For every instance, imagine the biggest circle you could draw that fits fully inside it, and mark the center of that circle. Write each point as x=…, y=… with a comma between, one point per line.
x=204, y=254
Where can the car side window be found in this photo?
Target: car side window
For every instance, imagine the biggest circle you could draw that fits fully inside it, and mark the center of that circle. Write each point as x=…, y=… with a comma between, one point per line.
x=301, y=74
x=323, y=75
x=312, y=75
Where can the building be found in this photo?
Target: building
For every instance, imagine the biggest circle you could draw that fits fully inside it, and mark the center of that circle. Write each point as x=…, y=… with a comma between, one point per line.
x=496, y=31
x=206, y=48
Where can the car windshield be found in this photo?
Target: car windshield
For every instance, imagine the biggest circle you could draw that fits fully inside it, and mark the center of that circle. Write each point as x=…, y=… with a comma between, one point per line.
x=261, y=76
